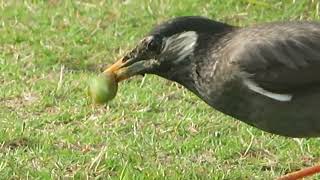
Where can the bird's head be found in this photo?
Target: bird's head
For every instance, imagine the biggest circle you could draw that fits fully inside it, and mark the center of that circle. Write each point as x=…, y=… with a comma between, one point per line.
x=168, y=48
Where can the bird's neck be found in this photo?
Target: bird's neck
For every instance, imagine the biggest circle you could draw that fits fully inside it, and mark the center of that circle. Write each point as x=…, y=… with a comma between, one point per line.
x=183, y=74
x=196, y=72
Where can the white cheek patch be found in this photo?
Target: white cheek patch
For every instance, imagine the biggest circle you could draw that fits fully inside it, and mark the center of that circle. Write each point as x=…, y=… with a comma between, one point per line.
x=255, y=87
x=183, y=45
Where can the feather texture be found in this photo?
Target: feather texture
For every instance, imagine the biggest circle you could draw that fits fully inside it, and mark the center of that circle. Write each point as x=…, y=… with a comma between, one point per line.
x=282, y=58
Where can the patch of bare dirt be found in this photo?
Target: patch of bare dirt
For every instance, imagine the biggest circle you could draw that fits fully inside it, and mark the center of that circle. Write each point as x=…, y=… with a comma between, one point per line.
x=84, y=148
x=24, y=100
x=16, y=143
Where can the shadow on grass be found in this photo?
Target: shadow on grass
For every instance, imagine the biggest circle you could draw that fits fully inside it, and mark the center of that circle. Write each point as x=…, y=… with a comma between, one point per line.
x=18, y=143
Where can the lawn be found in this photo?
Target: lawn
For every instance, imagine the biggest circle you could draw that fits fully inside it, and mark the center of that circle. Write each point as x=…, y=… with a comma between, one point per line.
x=153, y=129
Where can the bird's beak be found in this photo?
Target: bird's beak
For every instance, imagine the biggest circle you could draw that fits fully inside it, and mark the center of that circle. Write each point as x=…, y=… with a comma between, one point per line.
x=124, y=69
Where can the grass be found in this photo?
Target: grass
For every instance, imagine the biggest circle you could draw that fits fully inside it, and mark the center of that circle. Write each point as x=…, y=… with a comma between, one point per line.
x=154, y=129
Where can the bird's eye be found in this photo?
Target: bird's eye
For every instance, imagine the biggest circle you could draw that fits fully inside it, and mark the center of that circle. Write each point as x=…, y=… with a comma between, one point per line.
x=155, y=44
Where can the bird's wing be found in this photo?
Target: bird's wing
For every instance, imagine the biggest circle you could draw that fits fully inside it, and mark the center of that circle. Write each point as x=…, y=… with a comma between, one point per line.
x=279, y=58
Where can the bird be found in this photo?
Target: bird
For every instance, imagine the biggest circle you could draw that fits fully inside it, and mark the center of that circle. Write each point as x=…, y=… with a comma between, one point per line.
x=266, y=75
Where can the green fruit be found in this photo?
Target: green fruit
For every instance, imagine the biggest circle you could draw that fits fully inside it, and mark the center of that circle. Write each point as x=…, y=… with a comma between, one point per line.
x=103, y=88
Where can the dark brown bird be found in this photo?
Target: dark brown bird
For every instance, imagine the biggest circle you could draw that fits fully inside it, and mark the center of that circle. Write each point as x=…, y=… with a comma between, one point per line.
x=267, y=75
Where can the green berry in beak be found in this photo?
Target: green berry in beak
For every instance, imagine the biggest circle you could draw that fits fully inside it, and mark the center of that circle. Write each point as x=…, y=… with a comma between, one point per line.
x=103, y=88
